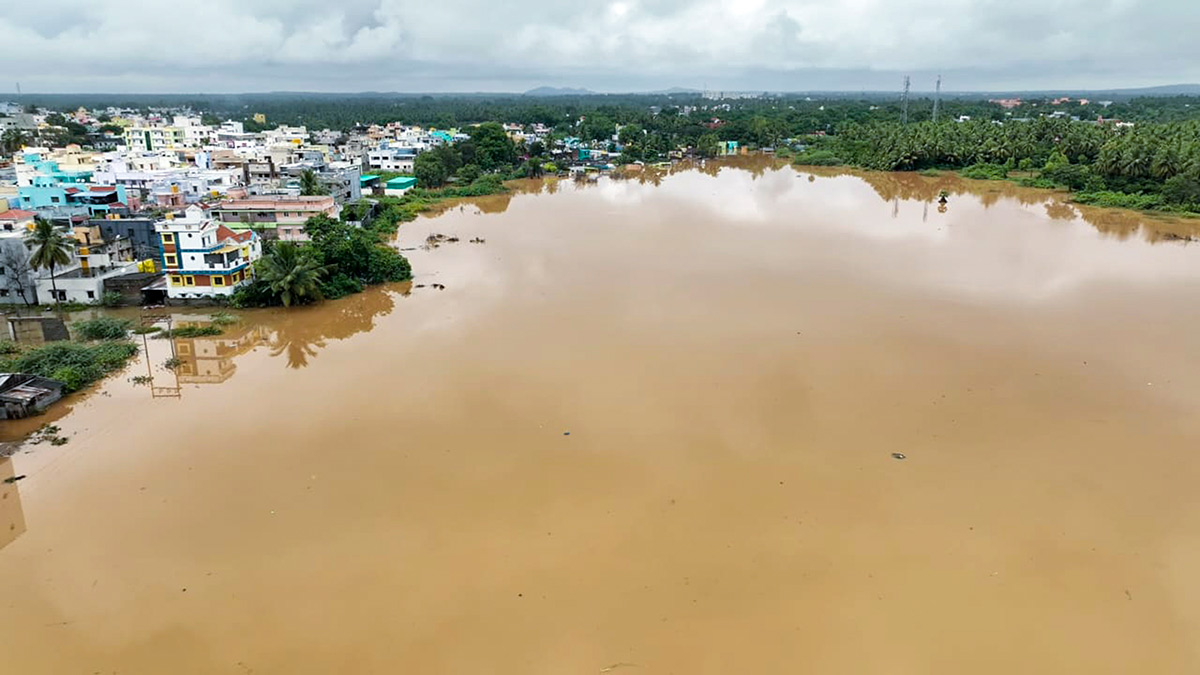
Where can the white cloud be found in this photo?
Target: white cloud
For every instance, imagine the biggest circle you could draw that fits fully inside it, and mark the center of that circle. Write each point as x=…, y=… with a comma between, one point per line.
x=781, y=44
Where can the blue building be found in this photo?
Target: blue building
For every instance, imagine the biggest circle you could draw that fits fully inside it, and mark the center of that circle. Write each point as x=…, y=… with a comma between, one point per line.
x=57, y=193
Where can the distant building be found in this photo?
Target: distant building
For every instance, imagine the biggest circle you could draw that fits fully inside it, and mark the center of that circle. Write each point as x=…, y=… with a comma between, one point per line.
x=204, y=258
x=281, y=218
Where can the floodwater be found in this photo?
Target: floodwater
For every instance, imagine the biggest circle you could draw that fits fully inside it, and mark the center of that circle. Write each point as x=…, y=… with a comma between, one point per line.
x=648, y=426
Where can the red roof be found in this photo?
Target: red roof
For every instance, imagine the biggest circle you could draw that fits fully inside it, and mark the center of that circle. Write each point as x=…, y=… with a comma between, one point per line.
x=117, y=205
x=102, y=188
x=71, y=191
x=224, y=233
x=16, y=214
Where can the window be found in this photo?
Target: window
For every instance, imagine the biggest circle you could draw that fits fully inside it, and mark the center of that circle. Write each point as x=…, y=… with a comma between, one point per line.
x=189, y=280
x=3, y=292
x=172, y=260
x=176, y=280
x=218, y=281
x=91, y=295
x=168, y=238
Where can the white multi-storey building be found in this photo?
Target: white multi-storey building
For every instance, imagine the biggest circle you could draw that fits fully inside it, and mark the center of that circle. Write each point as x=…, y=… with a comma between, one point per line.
x=202, y=258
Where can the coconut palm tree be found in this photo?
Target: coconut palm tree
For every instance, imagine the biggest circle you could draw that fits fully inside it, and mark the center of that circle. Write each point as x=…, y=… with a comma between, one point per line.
x=50, y=249
x=309, y=185
x=292, y=274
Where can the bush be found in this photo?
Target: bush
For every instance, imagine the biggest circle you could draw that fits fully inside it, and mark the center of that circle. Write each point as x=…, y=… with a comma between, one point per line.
x=111, y=299
x=985, y=171
x=74, y=364
x=818, y=158
x=8, y=347
x=1073, y=176
x=223, y=319
x=102, y=328
x=146, y=330
x=1121, y=200
x=190, y=332
x=339, y=286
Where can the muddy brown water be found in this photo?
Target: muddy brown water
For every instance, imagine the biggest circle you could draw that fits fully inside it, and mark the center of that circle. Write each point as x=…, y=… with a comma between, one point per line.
x=385, y=483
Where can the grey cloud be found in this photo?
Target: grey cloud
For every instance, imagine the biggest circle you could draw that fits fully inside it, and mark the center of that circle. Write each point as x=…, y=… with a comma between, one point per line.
x=620, y=45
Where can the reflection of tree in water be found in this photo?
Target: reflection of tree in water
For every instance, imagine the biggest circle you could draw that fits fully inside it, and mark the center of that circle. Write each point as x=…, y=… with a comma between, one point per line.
x=1125, y=224
x=300, y=333
x=1060, y=210
x=1113, y=222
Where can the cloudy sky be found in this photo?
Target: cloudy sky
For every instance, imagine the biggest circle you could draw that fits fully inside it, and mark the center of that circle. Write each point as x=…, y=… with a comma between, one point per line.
x=617, y=45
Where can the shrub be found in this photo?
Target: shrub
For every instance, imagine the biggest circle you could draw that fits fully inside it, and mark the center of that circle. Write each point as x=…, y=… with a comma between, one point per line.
x=986, y=171
x=190, y=332
x=1122, y=200
x=111, y=299
x=102, y=328
x=75, y=364
x=818, y=158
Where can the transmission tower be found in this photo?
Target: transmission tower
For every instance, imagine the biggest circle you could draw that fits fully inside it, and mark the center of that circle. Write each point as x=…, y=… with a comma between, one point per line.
x=937, y=98
x=904, y=103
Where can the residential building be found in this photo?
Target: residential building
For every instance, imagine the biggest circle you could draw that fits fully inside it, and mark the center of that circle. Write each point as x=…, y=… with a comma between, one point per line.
x=392, y=158
x=151, y=138
x=281, y=218
x=202, y=257
x=16, y=220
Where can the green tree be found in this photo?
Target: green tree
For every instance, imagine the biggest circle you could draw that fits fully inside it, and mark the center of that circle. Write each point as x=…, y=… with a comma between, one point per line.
x=292, y=274
x=493, y=147
x=429, y=170
x=13, y=140
x=310, y=185
x=706, y=145
x=51, y=249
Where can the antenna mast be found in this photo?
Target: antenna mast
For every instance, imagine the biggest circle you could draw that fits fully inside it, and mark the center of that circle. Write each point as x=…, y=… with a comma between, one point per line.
x=904, y=103
x=937, y=98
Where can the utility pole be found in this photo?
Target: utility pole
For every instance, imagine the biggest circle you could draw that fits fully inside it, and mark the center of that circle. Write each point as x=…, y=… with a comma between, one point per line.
x=904, y=102
x=937, y=98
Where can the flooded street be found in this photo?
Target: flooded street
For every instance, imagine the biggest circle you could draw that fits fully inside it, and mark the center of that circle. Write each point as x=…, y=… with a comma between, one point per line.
x=649, y=428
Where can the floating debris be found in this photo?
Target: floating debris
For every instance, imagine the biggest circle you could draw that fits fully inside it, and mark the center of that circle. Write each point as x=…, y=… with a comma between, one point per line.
x=478, y=240
x=899, y=455
x=48, y=433
x=440, y=287
x=13, y=479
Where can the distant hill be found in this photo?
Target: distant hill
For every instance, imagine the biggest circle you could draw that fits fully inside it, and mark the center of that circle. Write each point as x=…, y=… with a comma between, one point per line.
x=559, y=91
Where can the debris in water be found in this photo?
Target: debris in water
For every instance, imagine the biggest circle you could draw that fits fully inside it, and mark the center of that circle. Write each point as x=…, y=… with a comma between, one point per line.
x=48, y=433
x=899, y=455
x=13, y=479
x=419, y=286
x=566, y=433
x=440, y=287
x=478, y=240
x=618, y=665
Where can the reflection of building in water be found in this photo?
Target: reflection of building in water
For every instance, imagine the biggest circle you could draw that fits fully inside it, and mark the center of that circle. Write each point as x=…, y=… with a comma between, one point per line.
x=12, y=518
x=210, y=359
